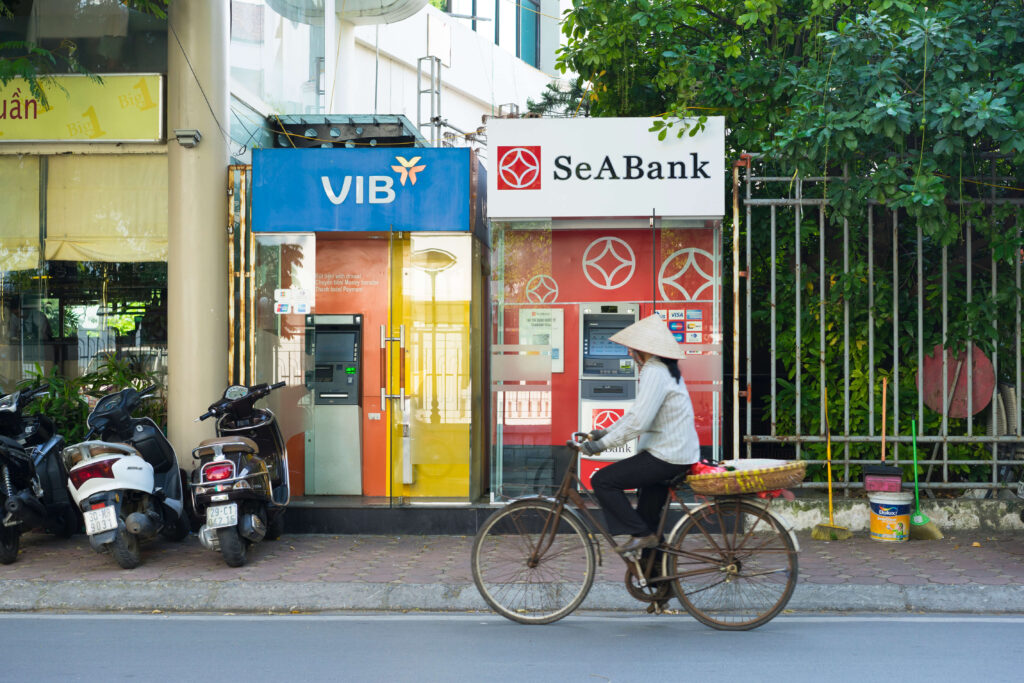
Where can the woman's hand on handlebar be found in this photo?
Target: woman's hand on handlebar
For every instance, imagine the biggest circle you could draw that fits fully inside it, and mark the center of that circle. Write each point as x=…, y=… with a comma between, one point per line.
x=576, y=440
x=584, y=442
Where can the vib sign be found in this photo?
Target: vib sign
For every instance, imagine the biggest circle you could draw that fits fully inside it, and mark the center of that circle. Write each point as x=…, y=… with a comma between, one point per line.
x=366, y=189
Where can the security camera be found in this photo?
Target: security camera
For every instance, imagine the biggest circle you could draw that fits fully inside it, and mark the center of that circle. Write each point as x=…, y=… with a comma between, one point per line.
x=187, y=137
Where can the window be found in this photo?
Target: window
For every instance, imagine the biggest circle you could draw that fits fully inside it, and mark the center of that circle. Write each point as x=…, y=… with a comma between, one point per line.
x=528, y=29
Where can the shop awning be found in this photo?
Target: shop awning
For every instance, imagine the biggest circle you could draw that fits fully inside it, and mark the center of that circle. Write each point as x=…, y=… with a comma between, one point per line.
x=19, y=213
x=107, y=208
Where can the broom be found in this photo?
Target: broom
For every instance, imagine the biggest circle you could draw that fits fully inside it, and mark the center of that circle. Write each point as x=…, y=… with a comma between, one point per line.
x=830, y=531
x=883, y=477
x=921, y=528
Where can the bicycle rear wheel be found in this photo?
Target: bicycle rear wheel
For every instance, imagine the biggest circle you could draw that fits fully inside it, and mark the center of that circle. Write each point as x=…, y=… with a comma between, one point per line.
x=735, y=564
x=527, y=569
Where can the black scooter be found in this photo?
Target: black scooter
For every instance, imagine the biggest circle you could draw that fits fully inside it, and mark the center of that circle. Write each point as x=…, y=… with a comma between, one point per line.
x=32, y=475
x=240, y=486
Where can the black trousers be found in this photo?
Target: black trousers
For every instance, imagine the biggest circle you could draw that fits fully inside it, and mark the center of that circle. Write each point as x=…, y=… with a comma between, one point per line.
x=643, y=472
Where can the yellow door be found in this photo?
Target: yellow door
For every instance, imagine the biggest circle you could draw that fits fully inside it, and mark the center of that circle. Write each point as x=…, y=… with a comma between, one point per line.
x=431, y=359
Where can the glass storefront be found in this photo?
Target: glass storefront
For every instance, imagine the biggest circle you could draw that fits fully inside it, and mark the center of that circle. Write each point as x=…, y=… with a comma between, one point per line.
x=83, y=236
x=559, y=288
x=389, y=351
x=83, y=273
x=106, y=36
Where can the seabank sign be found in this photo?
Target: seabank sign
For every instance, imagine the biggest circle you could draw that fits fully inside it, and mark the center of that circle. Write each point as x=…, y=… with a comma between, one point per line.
x=586, y=167
x=367, y=189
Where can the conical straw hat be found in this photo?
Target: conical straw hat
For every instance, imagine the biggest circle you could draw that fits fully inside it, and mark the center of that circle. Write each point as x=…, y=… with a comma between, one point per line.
x=649, y=335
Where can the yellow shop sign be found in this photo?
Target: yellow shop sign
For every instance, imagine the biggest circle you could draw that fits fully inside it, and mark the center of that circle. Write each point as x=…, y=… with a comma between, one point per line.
x=123, y=108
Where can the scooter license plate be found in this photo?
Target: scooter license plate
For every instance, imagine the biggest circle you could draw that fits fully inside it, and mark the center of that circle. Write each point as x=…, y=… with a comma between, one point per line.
x=99, y=520
x=222, y=515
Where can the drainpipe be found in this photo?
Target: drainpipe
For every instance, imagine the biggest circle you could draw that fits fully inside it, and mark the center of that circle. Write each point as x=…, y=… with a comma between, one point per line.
x=744, y=161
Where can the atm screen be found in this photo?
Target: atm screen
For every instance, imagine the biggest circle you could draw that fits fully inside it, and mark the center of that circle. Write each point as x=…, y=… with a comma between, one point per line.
x=335, y=346
x=599, y=346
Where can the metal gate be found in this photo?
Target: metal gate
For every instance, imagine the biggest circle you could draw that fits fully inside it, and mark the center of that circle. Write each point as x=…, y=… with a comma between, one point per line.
x=835, y=307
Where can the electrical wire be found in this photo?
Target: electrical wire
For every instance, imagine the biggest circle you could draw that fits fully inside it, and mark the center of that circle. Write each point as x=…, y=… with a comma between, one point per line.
x=227, y=135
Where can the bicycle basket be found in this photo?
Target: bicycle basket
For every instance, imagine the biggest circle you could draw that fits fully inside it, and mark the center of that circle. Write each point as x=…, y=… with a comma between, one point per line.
x=749, y=476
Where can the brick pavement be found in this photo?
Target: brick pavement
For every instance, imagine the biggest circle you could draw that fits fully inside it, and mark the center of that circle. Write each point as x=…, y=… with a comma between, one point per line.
x=973, y=571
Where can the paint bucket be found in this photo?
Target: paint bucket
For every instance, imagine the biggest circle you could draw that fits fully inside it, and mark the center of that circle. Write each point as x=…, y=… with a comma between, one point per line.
x=890, y=515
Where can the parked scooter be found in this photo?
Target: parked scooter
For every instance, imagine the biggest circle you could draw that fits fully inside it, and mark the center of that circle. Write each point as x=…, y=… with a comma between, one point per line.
x=32, y=475
x=240, y=485
x=128, y=485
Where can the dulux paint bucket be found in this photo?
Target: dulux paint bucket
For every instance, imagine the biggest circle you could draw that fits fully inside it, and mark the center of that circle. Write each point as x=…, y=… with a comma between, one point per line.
x=890, y=515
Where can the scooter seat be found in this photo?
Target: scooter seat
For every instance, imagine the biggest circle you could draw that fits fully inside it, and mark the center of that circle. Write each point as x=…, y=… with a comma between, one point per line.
x=225, y=444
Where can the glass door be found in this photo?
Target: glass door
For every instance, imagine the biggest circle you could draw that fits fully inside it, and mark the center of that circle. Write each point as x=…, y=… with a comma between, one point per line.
x=428, y=344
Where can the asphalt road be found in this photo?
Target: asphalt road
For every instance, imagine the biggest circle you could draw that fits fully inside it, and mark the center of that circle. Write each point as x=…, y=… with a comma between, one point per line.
x=469, y=647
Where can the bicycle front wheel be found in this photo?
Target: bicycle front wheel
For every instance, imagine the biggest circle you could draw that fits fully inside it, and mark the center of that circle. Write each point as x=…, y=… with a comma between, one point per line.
x=533, y=564
x=734, y=564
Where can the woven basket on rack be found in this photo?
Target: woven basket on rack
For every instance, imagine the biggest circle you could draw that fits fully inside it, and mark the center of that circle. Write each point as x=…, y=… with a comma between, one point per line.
x=755, y=475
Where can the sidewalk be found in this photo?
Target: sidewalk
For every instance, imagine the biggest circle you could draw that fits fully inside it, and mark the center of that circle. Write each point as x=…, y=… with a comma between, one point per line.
x=964, y=572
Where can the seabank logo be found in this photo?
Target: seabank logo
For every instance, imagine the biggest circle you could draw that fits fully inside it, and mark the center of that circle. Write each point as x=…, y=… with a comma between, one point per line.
x=542, y=289
x=519, y=167
x=608, y=263
x=606, y=417
x=374, y=189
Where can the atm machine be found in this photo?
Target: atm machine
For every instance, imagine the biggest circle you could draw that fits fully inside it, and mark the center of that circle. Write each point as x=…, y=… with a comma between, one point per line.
x=334, y=447
x=608, y=377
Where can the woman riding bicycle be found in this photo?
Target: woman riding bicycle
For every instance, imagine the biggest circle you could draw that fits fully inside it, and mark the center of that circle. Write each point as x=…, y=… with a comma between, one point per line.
x=662, y=417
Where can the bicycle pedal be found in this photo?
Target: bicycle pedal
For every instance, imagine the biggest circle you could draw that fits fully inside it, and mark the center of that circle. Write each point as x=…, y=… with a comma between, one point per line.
x=657, y=607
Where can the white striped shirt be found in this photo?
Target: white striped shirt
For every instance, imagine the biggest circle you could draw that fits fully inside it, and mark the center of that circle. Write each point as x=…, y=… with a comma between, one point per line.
x=662, y=416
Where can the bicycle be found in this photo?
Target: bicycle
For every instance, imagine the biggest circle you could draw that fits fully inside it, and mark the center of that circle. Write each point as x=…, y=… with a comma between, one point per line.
x=729, y=561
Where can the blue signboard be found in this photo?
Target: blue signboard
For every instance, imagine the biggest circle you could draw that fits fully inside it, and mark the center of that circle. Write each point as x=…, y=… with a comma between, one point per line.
x=367, y=189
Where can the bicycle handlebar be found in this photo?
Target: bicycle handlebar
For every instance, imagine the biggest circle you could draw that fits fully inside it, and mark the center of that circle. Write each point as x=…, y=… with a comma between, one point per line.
x=576, y=440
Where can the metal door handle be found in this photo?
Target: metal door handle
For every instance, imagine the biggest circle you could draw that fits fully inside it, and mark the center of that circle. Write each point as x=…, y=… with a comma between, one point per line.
x=384, y=339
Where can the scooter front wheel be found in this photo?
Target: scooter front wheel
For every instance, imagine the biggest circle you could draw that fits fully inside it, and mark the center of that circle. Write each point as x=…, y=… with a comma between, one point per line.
x=10, y=539
x=126, y=550
x=67, y=523
x=233, y=547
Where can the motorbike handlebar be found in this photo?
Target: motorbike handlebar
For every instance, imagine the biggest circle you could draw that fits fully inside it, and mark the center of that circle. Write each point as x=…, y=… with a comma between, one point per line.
x=148, y=390
x=277, y=386
x=206, y=415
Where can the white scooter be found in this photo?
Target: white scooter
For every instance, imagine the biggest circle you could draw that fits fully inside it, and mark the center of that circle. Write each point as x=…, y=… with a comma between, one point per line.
x=128, y=485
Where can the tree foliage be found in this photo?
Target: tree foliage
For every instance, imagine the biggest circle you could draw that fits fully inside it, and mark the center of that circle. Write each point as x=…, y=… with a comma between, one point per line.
x=909, y=96
x=38, y=65
x=917, y=105
x=557, y=99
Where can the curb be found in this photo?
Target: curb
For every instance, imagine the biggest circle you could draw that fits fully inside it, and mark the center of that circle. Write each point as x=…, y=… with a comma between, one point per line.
x=289, y=597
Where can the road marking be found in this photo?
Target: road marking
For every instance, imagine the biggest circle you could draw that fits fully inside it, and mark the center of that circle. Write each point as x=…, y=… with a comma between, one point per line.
x=486, y=619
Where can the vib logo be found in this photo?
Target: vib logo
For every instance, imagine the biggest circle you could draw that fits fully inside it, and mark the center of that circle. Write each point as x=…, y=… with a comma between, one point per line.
x=374, y=189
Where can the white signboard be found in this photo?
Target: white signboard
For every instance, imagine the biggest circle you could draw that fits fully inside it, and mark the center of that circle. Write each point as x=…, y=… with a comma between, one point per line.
x=588, y=167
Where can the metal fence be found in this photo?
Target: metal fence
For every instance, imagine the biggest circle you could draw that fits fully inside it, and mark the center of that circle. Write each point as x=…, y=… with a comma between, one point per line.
x=836, y=307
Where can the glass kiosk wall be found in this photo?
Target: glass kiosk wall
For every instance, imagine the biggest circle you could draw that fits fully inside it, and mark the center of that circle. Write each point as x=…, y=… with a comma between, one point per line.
x=559, y=289
x=371, y=305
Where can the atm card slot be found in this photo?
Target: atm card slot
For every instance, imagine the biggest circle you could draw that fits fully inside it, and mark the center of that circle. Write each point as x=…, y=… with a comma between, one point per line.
x=609, y=390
